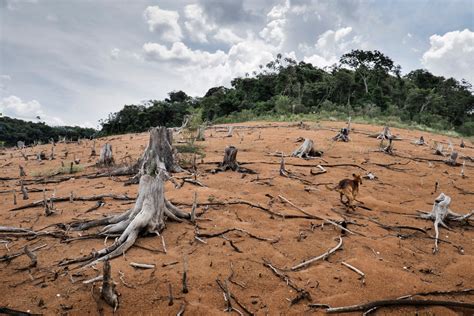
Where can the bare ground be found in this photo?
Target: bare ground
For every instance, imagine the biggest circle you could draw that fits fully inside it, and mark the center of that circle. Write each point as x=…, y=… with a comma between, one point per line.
x=395, y=262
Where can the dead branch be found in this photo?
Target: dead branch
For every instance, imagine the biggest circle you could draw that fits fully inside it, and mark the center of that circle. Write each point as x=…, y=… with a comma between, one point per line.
x=351, y=267
x=108, y=292
x=302, y=293
x=228, y=296
x=212, y=235
x=8, y=258
x=142, y=265
x=388, y=303
x=323, y=256
x=76, y=198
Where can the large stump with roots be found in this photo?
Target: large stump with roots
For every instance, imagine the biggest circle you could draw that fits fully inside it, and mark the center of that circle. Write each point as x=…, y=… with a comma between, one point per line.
x=441, y=213
x=106, y=157
x=306, y=150
x=151, y=208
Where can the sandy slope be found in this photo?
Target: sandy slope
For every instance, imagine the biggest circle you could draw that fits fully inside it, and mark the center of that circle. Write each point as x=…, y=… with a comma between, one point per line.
x=394, y=266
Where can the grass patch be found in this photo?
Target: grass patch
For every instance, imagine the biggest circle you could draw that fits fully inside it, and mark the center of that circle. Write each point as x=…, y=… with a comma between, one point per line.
x=59, y=171
x=392, y=121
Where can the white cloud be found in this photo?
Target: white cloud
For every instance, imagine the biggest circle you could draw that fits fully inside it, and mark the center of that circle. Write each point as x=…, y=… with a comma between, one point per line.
x=330, y=45
x=274, y=31
x=451, y=55
x=197, y=24
x=202, y=69
x=13, y=106
x=114, y=53
x=164, y=23
x=226, y=35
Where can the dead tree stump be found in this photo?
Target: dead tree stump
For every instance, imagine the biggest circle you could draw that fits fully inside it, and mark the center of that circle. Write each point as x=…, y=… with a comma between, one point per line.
x=158, y=152
x=442, y=212
x=200, y=134
x=344, y=133
x=230, y=159
x=420, y=142
x=93, y=152
x=22, y=171
x=106, y=158
x=151, y=207
x=306, y=150
x=452, y=159
x=230, y=162
x=439, y=150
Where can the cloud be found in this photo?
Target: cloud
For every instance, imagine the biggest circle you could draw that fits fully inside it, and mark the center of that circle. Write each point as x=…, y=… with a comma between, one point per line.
x=330, y=45
x=451, y=55
x=202, y=69
x=274, y=31
x=226, y=35
x=13, y=106
x=114, y=53
x=164, y=23
x=197, y=24
x=226, y=12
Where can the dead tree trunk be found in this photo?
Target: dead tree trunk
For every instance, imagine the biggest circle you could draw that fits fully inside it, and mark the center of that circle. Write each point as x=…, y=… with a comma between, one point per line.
x=440, y=213
x=93, y=153
x=200, y=134
x=452, y=159
x=439, y=150
x=230, y=132
x=106, y=158
x=151, y=207
x=158, y=152
x=306, y=150
x=22, y=171
x=420, y=141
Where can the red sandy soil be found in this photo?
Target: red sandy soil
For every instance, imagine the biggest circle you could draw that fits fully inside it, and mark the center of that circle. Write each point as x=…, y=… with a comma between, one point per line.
x=395, y=263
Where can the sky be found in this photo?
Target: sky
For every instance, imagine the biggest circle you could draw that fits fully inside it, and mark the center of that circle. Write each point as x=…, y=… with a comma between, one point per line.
x=74, y=62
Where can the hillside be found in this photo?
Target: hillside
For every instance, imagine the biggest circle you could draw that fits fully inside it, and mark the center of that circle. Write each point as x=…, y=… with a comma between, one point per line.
x=388, y=243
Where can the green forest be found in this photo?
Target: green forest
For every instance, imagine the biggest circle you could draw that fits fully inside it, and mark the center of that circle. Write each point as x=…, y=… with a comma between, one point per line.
x=14, y=130
x=364, y=83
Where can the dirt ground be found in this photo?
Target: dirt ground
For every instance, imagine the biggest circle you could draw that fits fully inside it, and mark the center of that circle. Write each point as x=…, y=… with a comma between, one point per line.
x=395, y=262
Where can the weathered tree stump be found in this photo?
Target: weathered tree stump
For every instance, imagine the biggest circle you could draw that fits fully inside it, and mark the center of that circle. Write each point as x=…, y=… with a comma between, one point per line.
x=230, y=162
x=344, y=133
x=106, y=158
x=230, y=133
x=151, y=207
x=41, y=156
x=439, y=149
x=22, y=171
x=200, y=134
x=306, y=150
x=420, y=142
x=158, y=152
x=462, y=145
x=452, y=159
x=440, y=213
x=93, y=152
x=20, y=144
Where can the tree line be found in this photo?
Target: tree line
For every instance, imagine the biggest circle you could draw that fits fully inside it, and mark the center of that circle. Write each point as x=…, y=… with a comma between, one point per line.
x=366, y=83
x=14, y=130
x=363, y=83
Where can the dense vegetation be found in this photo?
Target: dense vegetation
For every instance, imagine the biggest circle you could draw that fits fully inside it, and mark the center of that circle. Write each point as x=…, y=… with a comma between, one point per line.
x=364, y=83
x=13, y=130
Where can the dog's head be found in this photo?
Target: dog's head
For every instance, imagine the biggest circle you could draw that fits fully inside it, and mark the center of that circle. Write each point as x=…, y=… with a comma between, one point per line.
x=357, y=178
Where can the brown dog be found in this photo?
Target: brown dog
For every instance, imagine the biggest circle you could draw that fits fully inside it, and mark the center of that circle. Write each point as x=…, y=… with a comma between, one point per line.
x=348, y=188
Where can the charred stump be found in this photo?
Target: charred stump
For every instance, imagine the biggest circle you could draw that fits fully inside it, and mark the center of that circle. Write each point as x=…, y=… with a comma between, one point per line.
x=452, y=159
